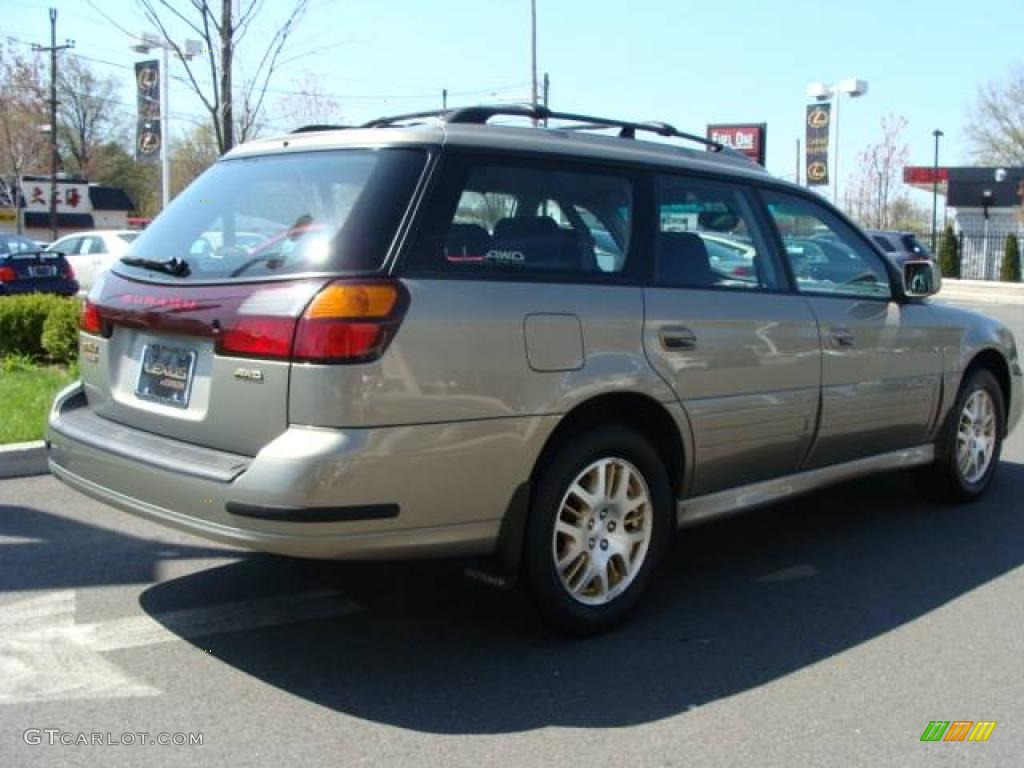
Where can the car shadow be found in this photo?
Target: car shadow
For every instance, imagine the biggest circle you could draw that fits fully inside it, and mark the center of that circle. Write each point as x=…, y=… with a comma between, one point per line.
x=739, y=603
x=47, y=551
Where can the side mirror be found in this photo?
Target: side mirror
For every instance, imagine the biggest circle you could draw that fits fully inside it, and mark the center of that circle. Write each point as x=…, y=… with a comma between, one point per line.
x=920, y=279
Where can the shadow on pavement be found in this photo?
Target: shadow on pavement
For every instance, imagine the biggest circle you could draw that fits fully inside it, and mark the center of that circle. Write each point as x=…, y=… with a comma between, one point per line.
x=739, y=603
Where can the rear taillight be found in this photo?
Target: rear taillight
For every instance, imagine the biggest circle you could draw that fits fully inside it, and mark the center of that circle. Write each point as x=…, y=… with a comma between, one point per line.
x=90, y=320
x=346, y=322
x=69, y=271
x=7, y=274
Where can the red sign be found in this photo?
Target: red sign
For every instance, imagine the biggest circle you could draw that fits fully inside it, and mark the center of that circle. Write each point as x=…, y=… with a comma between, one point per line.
x=919, y=174
x=748, y=138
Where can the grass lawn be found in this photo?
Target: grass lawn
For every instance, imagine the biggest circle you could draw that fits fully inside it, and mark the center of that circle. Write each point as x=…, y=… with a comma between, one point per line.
x=25, y=397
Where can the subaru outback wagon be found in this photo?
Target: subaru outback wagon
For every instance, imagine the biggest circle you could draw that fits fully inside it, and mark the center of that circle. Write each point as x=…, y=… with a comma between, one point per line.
x=549, y=345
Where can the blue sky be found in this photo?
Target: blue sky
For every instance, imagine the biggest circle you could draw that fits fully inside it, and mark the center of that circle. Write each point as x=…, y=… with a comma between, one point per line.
x=682, y=61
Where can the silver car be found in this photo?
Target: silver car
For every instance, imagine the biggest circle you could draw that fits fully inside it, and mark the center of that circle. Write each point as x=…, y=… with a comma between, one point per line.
x=432, y=336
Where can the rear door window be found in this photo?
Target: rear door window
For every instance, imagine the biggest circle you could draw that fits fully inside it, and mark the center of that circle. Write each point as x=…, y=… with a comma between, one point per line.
x=524, y=219
x=708, y=237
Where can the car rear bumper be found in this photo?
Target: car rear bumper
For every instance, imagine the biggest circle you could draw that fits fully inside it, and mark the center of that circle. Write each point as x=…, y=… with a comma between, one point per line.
x=388, y=492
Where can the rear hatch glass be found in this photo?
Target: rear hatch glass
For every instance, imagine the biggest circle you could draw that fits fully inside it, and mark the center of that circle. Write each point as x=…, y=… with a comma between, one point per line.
x=280, y=215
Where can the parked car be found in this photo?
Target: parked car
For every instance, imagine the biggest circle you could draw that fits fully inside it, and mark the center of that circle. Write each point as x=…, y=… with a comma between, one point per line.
x=900, y=246
x=92, y=252
x=25, y=268
x=460, y=338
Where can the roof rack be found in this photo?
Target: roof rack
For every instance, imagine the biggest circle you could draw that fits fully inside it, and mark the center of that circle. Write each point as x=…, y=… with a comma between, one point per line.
x=481, y=114
x=319, y=127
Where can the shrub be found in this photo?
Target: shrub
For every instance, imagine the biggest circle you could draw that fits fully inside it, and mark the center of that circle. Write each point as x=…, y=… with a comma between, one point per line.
x=1010, y=271
x=60, y=332
x=23, y=319
x=949, y=254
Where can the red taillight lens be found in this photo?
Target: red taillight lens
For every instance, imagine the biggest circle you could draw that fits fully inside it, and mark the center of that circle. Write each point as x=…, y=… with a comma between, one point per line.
x=69, y=271
x=90, y=320
x=258, y=337
x=7, y=274
x=350, y=322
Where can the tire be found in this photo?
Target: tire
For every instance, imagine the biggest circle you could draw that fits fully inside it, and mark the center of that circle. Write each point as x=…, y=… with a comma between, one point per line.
x=955, y=476
x=608, y=547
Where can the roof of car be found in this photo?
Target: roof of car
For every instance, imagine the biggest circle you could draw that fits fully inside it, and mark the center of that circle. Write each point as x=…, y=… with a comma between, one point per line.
x=576, y=141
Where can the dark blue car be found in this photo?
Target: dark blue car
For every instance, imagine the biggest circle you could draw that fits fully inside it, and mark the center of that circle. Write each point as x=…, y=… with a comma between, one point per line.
x=25, y=268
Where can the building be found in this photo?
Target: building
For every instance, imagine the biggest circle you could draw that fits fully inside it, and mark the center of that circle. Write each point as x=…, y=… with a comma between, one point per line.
x=80, y=206
x=984, y=204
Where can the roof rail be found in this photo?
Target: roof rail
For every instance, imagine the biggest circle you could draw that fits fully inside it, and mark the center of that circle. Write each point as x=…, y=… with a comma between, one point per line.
x=317, y=127
x=479, y=115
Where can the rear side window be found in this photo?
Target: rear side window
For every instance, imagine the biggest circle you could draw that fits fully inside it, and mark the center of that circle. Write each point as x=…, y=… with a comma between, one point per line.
x=912, y=245
x=328, y=211
x=522, y=219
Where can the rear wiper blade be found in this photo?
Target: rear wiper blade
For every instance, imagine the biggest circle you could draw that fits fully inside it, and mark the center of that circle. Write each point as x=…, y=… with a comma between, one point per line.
x=174, y=266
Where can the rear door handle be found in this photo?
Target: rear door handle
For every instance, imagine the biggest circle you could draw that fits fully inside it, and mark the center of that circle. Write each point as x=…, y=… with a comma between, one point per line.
x=677, y=339
x=842, y=337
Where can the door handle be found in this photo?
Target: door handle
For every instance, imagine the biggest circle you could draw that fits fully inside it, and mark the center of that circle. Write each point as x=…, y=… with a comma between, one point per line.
x=677, y=339
x=842, y=337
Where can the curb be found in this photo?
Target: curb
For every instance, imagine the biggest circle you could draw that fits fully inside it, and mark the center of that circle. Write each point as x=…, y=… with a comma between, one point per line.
x=23, y=459
x=986, y=291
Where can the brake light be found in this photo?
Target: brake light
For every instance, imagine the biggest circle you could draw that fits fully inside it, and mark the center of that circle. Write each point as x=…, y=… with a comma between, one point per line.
x=350, y=322
x=90, y=320
x=7, y=274
x=346, y=322
x=69, y=271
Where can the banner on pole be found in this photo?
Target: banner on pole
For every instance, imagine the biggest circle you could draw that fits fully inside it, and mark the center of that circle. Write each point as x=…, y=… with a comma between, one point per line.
x=148, y=136
x=819, y=124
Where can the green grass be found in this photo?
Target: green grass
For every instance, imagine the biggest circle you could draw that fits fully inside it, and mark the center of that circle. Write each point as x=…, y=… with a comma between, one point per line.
x=26, y=392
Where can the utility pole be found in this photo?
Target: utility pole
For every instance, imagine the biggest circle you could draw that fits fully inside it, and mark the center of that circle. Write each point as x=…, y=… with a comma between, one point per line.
x=54, y=155
x=547, y=93
x=797, y=177
x=533, y=55
x=935, y=187
x=444, y=99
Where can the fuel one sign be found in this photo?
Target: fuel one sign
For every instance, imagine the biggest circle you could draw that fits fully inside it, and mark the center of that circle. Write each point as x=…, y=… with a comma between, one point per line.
x=748, y=138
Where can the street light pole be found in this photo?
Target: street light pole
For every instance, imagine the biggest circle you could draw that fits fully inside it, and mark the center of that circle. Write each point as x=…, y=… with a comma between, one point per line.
x=823, y=92
x=165, y=135
x=533, y=55
x=935, y=187
x=53, y=49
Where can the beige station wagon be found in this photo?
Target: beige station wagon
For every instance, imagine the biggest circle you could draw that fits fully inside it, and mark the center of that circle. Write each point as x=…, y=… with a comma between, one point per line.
x=549, y=345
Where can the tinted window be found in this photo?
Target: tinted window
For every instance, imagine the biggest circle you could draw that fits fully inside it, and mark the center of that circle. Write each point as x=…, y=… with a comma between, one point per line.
x=884, y=244
x=280, y=214
x=826, y=254
x=491, y=218
x=16, y=244
x=707, y=237
x=912, y=245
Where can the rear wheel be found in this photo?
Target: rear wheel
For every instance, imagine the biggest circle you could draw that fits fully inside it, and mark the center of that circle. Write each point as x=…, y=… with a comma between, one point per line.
x=599, y=520
x=970, y=446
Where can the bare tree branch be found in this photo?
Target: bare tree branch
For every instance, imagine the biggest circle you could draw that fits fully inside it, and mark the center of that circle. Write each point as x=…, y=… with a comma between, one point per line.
x=996, y=127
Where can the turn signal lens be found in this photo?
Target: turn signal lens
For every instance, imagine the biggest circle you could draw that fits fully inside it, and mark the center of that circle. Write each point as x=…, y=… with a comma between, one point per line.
x=90, y=320
x=365, y=301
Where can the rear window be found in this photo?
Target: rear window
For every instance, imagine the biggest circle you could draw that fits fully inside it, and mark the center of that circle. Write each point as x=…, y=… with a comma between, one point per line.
x=330, y=211
x=16, y=244
x=912, y=245
x=520, y=219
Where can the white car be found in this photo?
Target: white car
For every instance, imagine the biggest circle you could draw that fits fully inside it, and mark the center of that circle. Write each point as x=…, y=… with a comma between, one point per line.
x=92, y=252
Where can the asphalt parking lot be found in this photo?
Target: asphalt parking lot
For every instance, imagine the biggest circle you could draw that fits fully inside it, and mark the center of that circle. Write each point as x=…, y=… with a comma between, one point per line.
x=827, y=631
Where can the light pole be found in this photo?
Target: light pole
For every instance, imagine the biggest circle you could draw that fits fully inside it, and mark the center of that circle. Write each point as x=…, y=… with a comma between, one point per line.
x=935, y=187
x=148, y=42
x=824, y=92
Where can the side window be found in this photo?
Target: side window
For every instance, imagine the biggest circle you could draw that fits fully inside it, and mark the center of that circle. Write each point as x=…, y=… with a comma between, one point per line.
x=71, y=247
x=882, y=243
x=708, y=237
x=825, y=253
x=517, y=219
x=93, y=245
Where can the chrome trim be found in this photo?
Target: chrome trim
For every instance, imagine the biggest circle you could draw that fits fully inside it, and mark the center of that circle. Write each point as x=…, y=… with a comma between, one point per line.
x=701, y=508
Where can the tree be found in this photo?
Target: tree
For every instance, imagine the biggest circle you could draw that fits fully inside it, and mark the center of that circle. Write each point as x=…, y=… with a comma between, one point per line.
x=949, y=253
x=874, y=191
x=192, y=155
x=221, y=35
x=307, y=104
x=115, y=166
x=24, y=147
x=996, y=127
x=1010, y=271
x=86, y=112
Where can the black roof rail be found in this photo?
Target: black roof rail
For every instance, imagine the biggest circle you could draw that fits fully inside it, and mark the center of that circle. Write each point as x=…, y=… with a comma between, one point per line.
x=318, y=127
x=479, y=115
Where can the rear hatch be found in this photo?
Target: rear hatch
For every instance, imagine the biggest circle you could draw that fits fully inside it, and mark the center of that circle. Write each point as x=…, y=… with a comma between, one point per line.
x=255, y=266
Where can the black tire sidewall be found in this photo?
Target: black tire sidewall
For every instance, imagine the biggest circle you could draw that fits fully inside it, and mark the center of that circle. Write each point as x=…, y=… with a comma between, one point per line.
x=949, y=466
x=553, y=480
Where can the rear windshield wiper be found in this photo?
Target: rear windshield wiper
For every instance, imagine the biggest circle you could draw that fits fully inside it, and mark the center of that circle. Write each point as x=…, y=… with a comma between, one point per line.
x=174, y=266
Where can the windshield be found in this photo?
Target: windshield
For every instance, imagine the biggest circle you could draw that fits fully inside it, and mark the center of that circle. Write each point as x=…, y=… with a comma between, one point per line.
x=284, y=214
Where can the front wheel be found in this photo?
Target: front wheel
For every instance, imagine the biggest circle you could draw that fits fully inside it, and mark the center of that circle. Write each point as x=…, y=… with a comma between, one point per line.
x=971, y=443
x=599, y=520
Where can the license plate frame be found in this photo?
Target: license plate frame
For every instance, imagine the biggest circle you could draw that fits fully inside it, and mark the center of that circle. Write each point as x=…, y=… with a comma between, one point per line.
x=43, y=270
x=165, y=374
